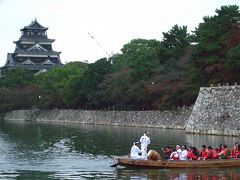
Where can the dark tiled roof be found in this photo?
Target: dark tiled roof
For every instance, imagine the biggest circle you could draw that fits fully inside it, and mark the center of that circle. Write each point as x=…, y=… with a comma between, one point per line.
x=11, y=60
x=34, y=25
x=39, y=39
x=37, y=52
x=37, y=61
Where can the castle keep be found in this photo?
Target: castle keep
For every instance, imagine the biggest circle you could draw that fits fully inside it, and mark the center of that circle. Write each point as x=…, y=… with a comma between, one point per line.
x=33, y=50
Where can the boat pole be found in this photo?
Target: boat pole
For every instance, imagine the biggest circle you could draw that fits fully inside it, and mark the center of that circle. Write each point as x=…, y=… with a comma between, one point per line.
x=115, y=163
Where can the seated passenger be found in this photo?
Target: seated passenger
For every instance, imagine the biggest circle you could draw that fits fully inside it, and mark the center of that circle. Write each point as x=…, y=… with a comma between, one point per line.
x=234, y=150
x=176, y=154
x=215, y=153
x=225, y=153
x=135, y=151
x=238, y=151
x=184, y=153
x=192, y=153
x=168, y=152
x=209, y=153
x=203, y=152
x=220, y=148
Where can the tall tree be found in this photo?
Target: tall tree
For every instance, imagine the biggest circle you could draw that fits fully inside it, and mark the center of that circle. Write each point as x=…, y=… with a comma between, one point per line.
x=211, y=47
x=92, y=77
x=176, y=40
x=55, y=84
x=142, y=56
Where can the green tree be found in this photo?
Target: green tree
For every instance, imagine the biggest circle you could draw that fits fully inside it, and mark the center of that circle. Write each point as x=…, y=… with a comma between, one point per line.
x=142, y=56
x=115, y=88
x=91, y=80
x=55, y=84
x=72, y=94
x=176, y=40
x=16, y=78
x=233, y=60
x=19, y=98
x=212, y=44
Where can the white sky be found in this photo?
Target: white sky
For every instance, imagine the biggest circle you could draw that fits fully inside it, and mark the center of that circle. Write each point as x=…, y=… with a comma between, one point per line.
x=112, y=23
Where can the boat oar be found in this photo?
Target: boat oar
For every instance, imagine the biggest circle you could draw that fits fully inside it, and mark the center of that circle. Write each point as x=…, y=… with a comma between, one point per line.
x=115, y=163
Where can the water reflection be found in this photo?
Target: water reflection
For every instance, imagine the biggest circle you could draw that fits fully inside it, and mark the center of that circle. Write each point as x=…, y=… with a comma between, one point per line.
x=89, y=139
x=185, y=174
x=64, y=151
x=213, y=140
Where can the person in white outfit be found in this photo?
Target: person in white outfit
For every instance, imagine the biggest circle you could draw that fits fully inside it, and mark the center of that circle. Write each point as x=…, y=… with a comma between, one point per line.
x=184, y=153
x=145, y=141
x=176, y=154
x=135, y=151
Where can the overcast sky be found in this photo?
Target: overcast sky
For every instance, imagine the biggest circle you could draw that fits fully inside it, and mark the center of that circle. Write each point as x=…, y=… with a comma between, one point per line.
x=112, y=23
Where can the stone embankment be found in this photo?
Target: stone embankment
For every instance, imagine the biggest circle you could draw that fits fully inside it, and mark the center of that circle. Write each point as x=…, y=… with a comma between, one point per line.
x=216, y=111
x=159, y=119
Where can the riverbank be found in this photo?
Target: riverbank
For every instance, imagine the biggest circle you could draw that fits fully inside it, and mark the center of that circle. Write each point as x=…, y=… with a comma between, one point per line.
x=216, y=111
x=176, y=119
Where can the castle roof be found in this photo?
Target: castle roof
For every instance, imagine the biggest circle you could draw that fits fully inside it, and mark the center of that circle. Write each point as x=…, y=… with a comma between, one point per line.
x=24, y=53
x=34, y=39
x=34, y=25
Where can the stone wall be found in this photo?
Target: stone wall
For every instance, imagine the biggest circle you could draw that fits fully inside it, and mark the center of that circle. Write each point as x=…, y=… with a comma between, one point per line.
x=160, y=119
x=216, y=111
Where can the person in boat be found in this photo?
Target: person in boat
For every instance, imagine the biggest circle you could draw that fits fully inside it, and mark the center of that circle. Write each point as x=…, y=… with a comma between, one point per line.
x=219, y=149
x=234, y=150
x=184, y=153
x=135, y=151
x=192, y=153
x=209, y=153
x=225, y=153
x=238, y=151
x=176, y=154
x=167, y=151
x=203, y=152
x=215, y=153
x=145, y=141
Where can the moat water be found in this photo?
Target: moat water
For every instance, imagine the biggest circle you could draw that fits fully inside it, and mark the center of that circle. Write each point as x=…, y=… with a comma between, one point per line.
x=74, y=151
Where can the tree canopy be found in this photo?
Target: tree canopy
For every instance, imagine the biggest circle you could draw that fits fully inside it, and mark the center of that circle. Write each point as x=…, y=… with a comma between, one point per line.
x=144, y=75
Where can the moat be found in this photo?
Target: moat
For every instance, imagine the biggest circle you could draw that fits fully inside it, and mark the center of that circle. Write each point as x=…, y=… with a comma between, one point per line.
x=74, y=151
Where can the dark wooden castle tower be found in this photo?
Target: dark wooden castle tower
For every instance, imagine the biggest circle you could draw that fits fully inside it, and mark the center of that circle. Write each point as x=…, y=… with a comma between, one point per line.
x=33, y=50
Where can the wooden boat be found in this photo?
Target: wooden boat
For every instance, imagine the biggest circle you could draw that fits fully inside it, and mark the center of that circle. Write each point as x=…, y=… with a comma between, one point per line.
x=215, y=163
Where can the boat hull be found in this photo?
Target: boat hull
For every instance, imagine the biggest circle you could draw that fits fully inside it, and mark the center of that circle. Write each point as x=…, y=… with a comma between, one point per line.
x=218, y=163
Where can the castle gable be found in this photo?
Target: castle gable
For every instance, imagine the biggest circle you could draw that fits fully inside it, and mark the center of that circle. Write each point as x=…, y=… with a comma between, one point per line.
x=28, y=62
x=36, y=47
